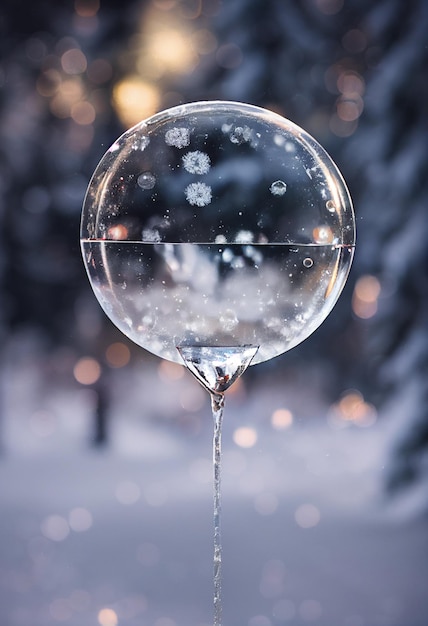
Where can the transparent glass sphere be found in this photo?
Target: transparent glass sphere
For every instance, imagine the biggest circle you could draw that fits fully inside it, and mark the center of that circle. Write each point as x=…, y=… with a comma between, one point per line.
x=217, y=224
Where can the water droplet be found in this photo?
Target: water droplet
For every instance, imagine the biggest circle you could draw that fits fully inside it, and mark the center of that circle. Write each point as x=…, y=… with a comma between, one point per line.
x=278, y=188
x=330, y=206
x=146, y=180
x=308, y=262
x=178, y=137
x=196, y=162
x=198, y=194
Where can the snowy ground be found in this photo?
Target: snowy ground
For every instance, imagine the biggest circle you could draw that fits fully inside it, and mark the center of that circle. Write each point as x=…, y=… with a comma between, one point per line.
x=123, y=536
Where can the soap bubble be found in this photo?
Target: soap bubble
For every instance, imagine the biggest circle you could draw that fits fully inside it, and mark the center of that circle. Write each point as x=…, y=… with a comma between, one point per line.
x=211, y=213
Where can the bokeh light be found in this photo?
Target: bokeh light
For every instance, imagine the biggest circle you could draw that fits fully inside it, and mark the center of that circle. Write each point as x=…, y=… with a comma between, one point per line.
x=134, y=99
x=307, y=516
x=118, y=354
x=55, y=528
x=266, y=503
x=245, y=436
x=107, y=617
x=80, y=519
x=365, y=297
x=127, y=492
x=351, y=408
x=87, y=371
x=281, y=419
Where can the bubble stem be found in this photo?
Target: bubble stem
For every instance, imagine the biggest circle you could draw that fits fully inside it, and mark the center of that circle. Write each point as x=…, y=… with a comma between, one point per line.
x=217, y=405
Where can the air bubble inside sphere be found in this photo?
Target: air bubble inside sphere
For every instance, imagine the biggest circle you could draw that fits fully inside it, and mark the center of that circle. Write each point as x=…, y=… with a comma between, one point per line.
x=217, y=224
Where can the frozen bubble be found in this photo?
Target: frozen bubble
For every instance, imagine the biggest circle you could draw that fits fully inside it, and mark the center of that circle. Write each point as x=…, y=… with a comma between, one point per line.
x=330, y=206
x=244, y=236
x=196, y=162
x=241, y=134
x=278, y=188
x=198, y=194
x=178, y=137
x=146, y=180
x=114, y=147
x=220, y=239
x=308, y=262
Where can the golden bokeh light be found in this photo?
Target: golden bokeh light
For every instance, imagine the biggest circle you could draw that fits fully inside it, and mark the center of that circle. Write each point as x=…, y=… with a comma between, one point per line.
x=352, y=408
x=118, y=354
x=73, y=61
x=281, y=419
x=134, y=100
x=107, y=617
x=68, y=93
x=245, y=437
x=365, y=297
x=87, y=371
x=83, y=113
x=169, y=51
x=86, y=8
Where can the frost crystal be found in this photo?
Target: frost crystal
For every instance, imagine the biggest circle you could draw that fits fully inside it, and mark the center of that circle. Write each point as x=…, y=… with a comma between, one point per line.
x=151, y=236
x=141, y=144
x=241, y=134
x=198, y=194
x=196, y=162
x=244, y=236
x=278, y=188
x=178, y=137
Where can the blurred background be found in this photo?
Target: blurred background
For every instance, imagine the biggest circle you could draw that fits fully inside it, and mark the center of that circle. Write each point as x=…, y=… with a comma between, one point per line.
x=105, y=450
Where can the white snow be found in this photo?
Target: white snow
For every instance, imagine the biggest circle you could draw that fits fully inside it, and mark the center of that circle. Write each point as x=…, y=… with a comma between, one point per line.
x=125, y=533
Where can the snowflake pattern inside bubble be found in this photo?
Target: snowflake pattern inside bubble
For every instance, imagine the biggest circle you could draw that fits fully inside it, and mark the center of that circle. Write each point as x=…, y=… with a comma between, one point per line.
x=178, y=137
x=198, y=194
x=196, y=162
